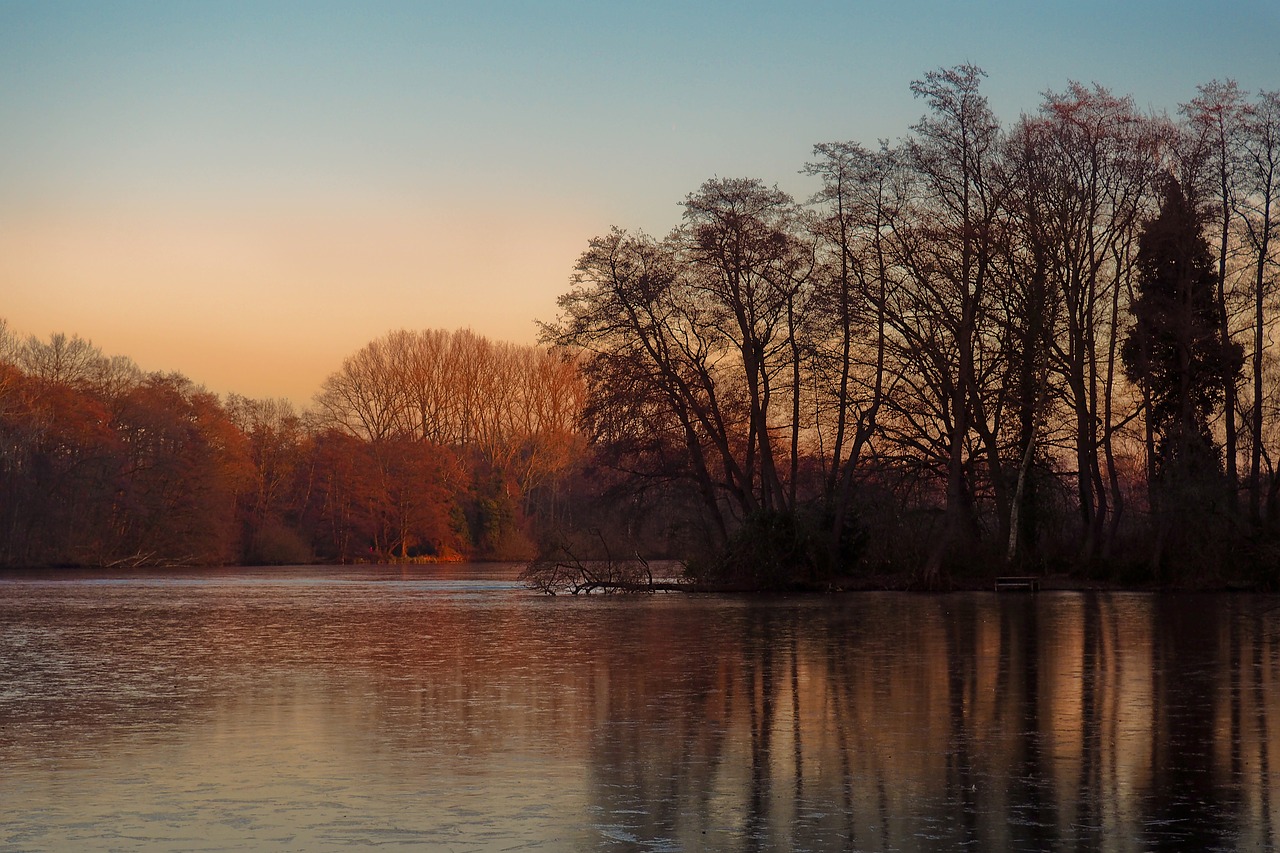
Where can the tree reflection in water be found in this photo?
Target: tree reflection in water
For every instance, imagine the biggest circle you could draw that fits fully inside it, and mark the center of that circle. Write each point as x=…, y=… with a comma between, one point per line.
x=441, y=709
x=1124, y=722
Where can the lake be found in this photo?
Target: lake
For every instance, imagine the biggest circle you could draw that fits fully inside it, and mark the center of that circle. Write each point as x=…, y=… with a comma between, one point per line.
x=449, y=708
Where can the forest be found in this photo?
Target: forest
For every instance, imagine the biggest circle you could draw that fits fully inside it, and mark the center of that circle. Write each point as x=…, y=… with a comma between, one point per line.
x=423, y=445
x=1044, y=346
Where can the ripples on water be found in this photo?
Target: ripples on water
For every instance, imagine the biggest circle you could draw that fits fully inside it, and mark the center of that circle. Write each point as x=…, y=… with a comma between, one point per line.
x=449, y=708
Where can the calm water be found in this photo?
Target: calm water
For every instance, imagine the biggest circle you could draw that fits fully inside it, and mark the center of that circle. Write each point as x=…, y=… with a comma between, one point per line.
x=450, y=709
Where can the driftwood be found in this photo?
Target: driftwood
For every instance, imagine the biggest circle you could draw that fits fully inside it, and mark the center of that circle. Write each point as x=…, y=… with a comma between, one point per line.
x=561, y=570
x=149, y=559
x=566, y=573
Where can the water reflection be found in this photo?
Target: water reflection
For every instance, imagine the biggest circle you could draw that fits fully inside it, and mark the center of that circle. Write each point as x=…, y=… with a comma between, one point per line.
x=317, y=710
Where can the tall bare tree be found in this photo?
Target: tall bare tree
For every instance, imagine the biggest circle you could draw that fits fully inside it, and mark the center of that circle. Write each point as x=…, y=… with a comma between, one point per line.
x=661, y=396
x=1259, y=203
x=1216, y=118
x=850, y=341
x=748, y=262
x=949, y=256
x=1088, y=165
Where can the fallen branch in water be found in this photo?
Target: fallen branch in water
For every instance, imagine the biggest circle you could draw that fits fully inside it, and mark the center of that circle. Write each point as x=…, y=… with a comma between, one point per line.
x=152, y=560
x=562, y=571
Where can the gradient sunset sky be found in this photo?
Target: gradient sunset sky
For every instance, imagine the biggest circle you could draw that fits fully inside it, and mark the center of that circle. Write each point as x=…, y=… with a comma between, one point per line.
x=249, y=192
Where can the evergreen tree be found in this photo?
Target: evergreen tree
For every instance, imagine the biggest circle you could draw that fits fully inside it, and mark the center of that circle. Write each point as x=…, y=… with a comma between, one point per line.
x=1178, y=357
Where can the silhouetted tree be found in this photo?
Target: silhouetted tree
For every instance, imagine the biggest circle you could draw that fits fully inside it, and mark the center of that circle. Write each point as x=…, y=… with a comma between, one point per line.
x=1084, y=166
x=850, y=337
x=1215, y=120
x=1178, y=357
x=956, y=233
x=692, y=349
x=1259, y=203
x=750, y=268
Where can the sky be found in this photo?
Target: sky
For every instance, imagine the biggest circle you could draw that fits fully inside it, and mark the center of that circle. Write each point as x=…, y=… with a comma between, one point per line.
x=247, y=193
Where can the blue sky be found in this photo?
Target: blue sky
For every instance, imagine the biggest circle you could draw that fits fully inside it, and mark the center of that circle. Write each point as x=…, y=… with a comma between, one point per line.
x=248, y=192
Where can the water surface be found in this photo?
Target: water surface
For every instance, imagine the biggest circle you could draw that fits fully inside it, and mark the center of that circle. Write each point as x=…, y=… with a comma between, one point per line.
x=449, y=708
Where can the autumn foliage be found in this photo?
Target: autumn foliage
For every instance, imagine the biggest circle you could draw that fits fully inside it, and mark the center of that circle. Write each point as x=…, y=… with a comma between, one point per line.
x=428, y=445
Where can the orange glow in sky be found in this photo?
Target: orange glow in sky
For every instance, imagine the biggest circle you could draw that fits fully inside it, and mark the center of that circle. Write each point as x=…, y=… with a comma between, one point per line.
x=246, y=193
x=267, y=305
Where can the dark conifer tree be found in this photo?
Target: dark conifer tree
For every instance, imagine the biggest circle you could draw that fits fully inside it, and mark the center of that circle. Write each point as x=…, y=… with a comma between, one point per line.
x=1179, y=359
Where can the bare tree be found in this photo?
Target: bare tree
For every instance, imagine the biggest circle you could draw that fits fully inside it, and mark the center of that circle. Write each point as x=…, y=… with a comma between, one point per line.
x=1216, y=118
x=1259, y=201
x=1088, y=162
x=365, y=396
x=661, y=397
x=748, y=261
x=71, y=361
x=850, y=349
x=949, y=257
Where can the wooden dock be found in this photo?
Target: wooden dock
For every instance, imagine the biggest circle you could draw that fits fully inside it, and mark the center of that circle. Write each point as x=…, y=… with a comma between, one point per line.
x=1010, y=583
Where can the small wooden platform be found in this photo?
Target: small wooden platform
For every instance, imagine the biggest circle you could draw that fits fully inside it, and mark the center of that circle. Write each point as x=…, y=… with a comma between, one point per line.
x=1028, y=583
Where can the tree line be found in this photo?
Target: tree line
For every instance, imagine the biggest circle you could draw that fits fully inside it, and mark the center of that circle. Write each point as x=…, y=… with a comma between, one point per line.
x=1044, y=345
x=422, y=445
